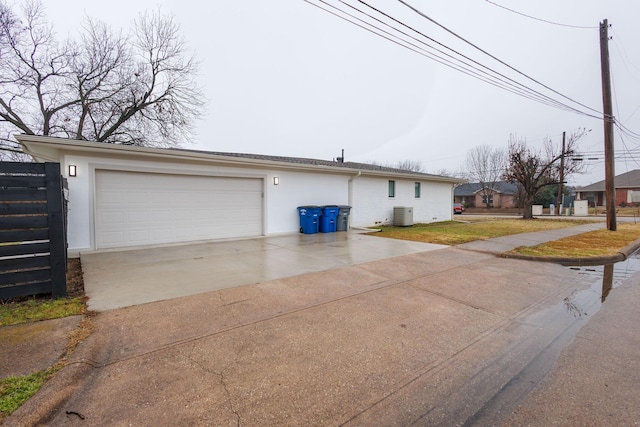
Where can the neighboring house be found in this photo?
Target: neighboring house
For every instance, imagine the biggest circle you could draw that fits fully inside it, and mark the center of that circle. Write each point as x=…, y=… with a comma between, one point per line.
x=627, y=187
x=503, y=195
x=126, y=196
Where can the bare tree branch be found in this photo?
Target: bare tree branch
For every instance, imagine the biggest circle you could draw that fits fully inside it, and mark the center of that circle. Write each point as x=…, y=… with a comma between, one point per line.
x=486, y=165
x=136, y=88
x=533, y=170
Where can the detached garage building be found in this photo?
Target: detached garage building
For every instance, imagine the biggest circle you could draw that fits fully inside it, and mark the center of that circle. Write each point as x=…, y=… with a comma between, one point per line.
x=125, y=196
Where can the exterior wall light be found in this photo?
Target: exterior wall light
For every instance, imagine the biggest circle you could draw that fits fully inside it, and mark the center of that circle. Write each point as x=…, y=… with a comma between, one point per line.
x=72, y=170
x=276, y=180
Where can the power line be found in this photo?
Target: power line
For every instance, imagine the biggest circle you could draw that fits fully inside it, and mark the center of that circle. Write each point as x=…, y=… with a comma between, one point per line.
x=625, y=60
x=459, y=66
x=531, y=93
x=622, y=129
x=496, y=79
x=493, y=57
x=634, y=112
x=630, y=156
x=488, y=79
x=539, y=19
x=621, y=47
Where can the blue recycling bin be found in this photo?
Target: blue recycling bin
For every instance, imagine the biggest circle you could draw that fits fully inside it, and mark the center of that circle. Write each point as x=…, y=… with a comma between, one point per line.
x=309, y=219
x=328, y=219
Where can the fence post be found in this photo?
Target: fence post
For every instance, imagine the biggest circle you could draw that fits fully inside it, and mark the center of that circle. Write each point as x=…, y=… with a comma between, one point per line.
x=57, y=233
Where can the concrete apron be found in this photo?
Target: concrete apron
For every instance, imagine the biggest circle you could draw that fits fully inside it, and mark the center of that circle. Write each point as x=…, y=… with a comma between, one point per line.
x=132, y=277
x=423, y=339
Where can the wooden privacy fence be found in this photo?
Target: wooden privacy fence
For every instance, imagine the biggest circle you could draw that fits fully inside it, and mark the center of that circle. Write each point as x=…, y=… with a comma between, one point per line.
x=33, y=244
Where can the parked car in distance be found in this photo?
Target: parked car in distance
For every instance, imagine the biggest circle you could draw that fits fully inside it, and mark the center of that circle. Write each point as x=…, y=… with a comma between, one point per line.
x=458, y=208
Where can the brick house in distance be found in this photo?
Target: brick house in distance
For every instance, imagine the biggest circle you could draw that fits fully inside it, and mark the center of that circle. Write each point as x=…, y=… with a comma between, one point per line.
x=503, y=195
x=627, y=187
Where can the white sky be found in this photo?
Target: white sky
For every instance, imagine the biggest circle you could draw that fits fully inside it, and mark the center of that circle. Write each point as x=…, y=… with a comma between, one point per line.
x=283, y=77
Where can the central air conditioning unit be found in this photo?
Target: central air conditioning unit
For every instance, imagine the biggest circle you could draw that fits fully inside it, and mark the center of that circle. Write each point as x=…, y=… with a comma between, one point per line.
x=402, y=216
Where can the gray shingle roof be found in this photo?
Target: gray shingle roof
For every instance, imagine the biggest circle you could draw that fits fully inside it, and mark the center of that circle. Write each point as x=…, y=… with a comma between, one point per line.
x=260, y=160
x=471, y=188
x=317, y=162
x=626, y=180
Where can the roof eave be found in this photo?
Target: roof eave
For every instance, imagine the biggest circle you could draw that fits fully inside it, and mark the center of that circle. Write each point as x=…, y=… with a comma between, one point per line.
x=44, y=148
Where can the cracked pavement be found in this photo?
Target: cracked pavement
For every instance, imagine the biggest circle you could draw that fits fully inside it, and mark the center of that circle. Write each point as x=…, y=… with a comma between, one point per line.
x=423, y=339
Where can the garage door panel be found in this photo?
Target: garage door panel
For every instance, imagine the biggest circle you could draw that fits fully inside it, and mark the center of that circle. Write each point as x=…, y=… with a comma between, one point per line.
x=112, y=197
x=112, y=237
x=111, y=217
x=147, y=208
x=138, y=236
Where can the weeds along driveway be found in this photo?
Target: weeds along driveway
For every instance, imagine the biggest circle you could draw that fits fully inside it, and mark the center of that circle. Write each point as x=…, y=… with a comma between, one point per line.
x=426, y=338
x=125, y=278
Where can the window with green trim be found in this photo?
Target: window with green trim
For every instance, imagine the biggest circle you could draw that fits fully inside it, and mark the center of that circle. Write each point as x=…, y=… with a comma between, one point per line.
x=417, y=190
x=392, y=188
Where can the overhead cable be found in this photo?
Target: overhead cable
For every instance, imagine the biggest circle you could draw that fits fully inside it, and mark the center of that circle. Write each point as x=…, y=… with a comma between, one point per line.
x=491, y=76
x=539, y=19
x=495, y=77
x=492, y=56
x=530, y=93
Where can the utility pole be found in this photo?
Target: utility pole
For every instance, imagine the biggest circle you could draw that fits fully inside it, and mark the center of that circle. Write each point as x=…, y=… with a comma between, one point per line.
x=609, y=160
x=564, y=134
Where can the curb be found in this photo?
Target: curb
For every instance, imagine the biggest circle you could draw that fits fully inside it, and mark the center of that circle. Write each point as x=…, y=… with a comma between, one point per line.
x=620, y=256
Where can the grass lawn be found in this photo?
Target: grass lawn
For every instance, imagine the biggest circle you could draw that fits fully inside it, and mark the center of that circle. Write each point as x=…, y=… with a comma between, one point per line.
x=594, y=243
x=631, y=211
x=34, y=309
x=14, y=391
x=470, y=229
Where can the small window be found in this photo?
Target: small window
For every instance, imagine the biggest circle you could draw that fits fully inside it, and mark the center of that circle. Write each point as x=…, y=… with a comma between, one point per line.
x=484, y=200
x=392, y=189
x=417, y=189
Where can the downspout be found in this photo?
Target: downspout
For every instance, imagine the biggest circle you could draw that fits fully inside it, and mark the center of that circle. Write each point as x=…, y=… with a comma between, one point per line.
x=351, y=187
x=453, y=199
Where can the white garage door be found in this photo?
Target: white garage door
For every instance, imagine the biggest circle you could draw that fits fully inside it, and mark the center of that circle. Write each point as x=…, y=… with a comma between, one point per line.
x=147, y=208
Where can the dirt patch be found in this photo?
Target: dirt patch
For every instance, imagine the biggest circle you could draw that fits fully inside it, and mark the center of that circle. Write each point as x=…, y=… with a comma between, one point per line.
x=75, y=280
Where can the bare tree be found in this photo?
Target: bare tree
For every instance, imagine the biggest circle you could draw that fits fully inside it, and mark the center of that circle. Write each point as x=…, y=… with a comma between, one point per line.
x=136, y=88
x=533, y=170
x=447, y=172
x=486, y=165
x=406, y=165
x=409, y=165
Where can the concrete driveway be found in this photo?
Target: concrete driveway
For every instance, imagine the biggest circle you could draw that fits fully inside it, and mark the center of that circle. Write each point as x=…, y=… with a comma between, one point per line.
x=441, y=337
x=429, y=338
x=131, y=277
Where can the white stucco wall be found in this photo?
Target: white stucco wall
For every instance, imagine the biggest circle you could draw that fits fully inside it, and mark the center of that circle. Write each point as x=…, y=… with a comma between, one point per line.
x=280, y=201
x=299, y=184
x=373, y=206
x=300, y=189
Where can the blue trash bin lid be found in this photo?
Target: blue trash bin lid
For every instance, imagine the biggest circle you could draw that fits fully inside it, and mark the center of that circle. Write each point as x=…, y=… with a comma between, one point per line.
x=330, y=209
x=311, y=210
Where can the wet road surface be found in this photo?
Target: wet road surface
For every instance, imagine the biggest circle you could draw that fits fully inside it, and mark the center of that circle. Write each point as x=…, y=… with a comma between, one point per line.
x=445, y=337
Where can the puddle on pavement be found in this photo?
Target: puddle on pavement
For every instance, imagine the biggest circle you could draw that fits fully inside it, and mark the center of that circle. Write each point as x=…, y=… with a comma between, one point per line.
x=567, y=318
x=612, y=274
